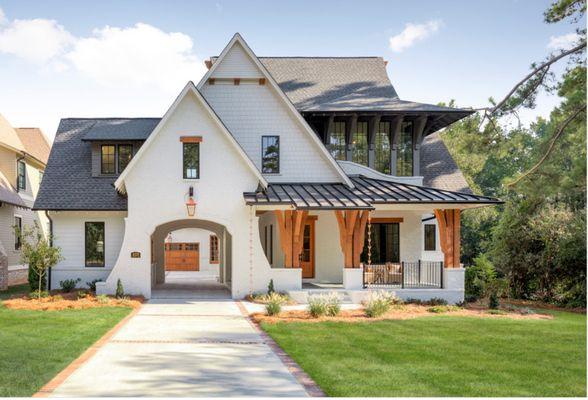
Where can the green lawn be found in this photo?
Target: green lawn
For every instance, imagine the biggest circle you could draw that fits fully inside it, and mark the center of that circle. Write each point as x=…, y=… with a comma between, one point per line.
x=36, y=345
x=442, y=356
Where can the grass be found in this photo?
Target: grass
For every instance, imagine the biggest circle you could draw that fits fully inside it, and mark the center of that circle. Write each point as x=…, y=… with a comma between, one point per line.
x=441, y=356
x=13, y=290
x=36, y=345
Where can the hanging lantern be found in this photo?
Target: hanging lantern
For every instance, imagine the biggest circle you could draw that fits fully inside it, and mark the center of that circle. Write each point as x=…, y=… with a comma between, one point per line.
x=191, y=203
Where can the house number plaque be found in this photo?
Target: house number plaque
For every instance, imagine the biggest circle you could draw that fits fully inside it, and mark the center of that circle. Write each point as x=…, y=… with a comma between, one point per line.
x=135, y=254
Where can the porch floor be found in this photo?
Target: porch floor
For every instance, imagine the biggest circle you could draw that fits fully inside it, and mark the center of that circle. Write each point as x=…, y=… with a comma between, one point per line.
x=190, y=285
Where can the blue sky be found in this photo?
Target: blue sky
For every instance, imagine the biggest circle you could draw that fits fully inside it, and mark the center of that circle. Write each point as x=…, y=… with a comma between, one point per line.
x=130, y=58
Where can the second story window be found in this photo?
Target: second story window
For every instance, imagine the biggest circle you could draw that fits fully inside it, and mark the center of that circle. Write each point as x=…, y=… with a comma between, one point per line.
x=382, y=148
x=21, y=183
x=337, y=143
x=107, y=156
x=191, y=160
x=270, y=154
x=360, y=143
x=125, y=154
x=404, y=155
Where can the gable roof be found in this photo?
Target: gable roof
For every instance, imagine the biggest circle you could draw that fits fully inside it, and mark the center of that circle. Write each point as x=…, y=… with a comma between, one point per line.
x=293, y=111
x=189, y=88
x=8, y=136
x=35, y=143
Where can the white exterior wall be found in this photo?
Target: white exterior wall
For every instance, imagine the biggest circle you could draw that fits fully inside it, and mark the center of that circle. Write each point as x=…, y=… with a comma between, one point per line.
x=251, y=111
x=436, y=255
x=69, y=235
x=224, y=177
x=201, y=236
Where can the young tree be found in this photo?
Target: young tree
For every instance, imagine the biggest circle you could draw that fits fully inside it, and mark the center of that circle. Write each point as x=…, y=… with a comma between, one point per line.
x=38, y=253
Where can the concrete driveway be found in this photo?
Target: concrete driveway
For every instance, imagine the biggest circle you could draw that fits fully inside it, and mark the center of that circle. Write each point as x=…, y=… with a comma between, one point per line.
x=184, y=348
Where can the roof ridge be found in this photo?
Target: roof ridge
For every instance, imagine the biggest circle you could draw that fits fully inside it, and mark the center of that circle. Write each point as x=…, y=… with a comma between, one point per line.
x=325, y=57
x=104, y=118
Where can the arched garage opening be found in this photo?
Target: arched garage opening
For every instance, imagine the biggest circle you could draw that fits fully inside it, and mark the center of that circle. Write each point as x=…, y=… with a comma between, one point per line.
x=191, y=258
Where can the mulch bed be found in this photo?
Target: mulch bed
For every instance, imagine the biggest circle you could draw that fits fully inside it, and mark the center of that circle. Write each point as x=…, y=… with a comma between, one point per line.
x=395, y=313
x=70, y=301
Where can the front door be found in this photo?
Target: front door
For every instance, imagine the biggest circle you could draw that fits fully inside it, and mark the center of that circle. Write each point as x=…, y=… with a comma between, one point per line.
x=182, y=257
x=307, y=256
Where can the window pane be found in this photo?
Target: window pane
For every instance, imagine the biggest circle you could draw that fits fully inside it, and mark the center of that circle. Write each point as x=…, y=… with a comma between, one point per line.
x=22, y=176
x=214, y=258
x=382, y=160
x=17, y=233
x=404, y=164
x=125, y=154
x=94, y=244
x=430, y=239
x=336, y=143
x=191, y=160
x=270, y=154
x=385, y=244
x=360, y=143
x=107, y=157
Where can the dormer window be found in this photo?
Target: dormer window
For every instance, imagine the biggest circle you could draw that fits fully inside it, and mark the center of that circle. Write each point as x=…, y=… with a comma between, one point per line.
x=125, y=154
x=107, y=157
x=270, y=154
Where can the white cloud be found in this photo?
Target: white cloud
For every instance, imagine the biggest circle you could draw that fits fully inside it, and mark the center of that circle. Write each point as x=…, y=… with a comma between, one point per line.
x=35, y=40
x=140, y=55
x=563, y=42
x=413, y=33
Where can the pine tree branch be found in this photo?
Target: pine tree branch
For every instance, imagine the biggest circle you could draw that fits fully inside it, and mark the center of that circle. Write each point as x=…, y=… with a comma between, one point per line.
x=558, y=134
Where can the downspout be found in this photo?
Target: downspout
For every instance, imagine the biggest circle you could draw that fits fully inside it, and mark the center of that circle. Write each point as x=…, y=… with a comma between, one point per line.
x=51, y=245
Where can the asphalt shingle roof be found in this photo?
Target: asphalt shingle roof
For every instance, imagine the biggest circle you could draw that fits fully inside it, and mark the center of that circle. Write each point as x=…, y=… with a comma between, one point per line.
x=438, y=168
x=121, y=128
x=35, y=143
x=68, y=183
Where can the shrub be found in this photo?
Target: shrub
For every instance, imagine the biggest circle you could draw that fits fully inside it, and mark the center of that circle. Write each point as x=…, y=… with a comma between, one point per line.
x=317, y=306
x=274, y=304
x=270, y=287
x=496, y=312
x=120, y=292
x=262, y=298
x=82, y=294
x=436, y=301
x=479, y=277
x=69, y=284
x=493, y=302
x=57, y=298
x=37, y=294
x=333, y=304
x=442, y=309
x=377, y=304
x=410, y=300
x=102, y=299
x=92, y=284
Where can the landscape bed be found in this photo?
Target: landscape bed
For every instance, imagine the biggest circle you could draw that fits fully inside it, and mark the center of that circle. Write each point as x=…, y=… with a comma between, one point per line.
x=441, y=355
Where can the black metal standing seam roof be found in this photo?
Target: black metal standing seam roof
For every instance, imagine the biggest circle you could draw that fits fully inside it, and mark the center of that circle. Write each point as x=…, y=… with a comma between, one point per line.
x=367, y=193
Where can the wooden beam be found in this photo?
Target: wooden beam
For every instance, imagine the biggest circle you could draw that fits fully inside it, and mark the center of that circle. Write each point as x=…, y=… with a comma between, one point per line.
x=449, y=223
x=191, y=139
x=359, y=237
x=390, y=220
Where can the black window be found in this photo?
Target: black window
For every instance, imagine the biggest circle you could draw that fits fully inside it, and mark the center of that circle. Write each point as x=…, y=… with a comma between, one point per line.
x=269, y=243
x=94, y=244
x=125, y=154
x=17, y=233
x=360, y=143
x=22, y=176
x=107, y=165
x=191, y=160
x=337, y=143
x=385, y=244
x=270, y=154
x=404, y=154
x=430, y=239
x=383, y=149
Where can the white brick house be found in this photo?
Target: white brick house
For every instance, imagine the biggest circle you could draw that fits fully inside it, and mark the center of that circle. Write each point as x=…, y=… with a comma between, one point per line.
x=309, y=172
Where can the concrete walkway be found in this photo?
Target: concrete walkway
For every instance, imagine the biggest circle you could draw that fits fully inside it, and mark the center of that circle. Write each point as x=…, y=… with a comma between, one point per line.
x=183, y=348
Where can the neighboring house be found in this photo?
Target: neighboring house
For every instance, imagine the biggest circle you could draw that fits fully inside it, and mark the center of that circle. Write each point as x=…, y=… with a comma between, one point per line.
x=23, y=157
x=281, y=165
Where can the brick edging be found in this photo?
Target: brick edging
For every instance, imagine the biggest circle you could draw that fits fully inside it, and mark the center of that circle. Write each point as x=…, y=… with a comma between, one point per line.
x=58, y=379
x=310, y=386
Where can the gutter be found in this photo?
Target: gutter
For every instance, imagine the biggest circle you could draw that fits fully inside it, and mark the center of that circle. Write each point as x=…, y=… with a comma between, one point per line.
x=51, y=245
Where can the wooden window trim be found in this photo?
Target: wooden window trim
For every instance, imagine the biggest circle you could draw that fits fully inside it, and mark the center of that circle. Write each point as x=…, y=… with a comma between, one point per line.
x=391, y=220
x=211, y=81
x=191, y=139
x=236, y=81
x=262, y=81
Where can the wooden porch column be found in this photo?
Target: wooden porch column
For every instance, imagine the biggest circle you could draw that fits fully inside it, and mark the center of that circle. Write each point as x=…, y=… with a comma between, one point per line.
x=450, y=235
x=351, y=235
x=291, y=229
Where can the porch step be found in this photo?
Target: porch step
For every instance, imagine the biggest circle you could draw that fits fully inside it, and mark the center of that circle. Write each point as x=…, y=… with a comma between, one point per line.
x=301, y=296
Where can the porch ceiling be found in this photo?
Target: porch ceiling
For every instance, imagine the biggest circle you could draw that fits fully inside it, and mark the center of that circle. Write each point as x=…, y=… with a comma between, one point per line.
x=366, y=193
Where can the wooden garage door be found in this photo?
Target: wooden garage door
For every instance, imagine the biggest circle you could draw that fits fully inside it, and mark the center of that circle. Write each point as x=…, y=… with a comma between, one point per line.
x=182, y=256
